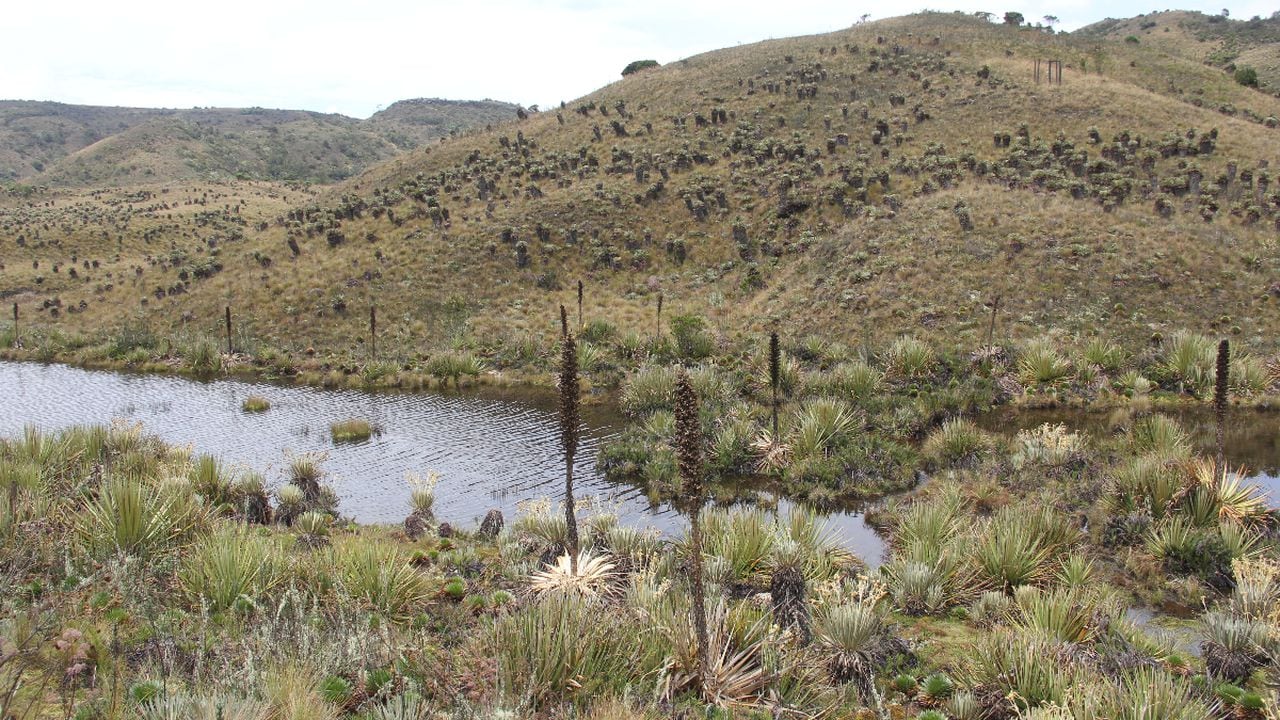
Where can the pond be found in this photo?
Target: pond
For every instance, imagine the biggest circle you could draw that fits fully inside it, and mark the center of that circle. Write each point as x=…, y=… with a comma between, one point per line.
x=492, y=448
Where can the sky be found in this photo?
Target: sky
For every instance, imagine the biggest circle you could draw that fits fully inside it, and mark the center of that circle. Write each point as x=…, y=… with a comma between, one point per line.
x=356, y=57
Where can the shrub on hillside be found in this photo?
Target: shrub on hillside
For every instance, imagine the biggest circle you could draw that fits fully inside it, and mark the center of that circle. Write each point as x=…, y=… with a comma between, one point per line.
x=638, y=65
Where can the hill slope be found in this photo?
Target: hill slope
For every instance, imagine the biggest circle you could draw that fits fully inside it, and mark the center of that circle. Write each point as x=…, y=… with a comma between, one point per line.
x=1211, y=39
x=58, y=144
x=894, y=177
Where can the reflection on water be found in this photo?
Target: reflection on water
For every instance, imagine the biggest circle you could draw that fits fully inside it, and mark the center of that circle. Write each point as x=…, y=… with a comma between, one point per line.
x=494, y=450
x=1251, y=437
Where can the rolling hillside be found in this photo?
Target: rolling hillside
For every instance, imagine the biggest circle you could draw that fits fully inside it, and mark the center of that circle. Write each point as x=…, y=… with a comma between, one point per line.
x=895, y=177
x=75, y=145
x=1215, y=40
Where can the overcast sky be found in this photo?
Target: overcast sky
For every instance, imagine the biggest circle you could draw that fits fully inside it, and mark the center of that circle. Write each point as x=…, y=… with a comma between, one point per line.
x=354, y=57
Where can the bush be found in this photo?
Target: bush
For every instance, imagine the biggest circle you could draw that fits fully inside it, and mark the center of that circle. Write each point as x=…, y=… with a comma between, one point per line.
x=1247, y=76
x=692, y=340
x=638, y=65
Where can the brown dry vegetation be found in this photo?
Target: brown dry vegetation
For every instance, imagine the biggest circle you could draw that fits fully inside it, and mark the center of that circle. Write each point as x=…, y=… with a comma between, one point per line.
x=475, y=241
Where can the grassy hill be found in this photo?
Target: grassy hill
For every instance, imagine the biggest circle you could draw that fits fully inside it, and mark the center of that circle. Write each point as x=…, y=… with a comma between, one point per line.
x=895, y=177
x=409, y=124
x=1212, y=39
x=73, y=145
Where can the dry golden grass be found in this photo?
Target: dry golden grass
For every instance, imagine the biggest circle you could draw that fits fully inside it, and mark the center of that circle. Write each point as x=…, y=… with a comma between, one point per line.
x=1060, y=263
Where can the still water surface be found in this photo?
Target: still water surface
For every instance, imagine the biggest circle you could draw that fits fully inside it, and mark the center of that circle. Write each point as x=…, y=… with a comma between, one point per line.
x=492, y=450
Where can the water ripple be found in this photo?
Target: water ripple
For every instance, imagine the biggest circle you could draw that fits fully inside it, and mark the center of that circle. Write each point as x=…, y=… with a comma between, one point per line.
x=489, y=452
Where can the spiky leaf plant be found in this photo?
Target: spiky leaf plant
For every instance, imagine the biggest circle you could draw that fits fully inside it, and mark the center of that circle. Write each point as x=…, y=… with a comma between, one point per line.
x=1022, y=667
x=787, y=589
x=230, y=565
x=1042, y=364
x=290, y=503
x=1233, y=646
x=133, y=517
x=935, y=689
x=591, y=576
x=378, y=578
x=191, y=707
x=564, y=648
x=851, y=637
x=313, y=529
x=1190, y=360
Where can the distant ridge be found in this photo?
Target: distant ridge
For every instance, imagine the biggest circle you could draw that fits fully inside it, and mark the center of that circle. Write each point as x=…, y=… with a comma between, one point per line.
x=80, y=145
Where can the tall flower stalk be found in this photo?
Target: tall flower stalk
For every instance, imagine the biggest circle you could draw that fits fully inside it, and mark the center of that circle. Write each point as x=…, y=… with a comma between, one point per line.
x=688, y=442
x=569, y=431
x=1220, y=408
x=579, y=306
x=775, y=369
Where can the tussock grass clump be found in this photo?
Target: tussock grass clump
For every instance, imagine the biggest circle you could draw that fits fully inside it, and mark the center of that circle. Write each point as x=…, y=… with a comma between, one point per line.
x=908, y=358
x=255, y=404
x=564, y=647
x=1189, y=360
x=1041, y=364
x=454, y=366
x=210, y=481
x=293, y=692
x=353, y=430
x=380, y=579
x=648, y=389
x=1161, y=436
x=1150, y=484
x=203, y=358
x=1104, y=355
x=138, y=518
x=958, y=441
x=232, y=565
x=1249, y=376
x=855, y=381
x=422, y=493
